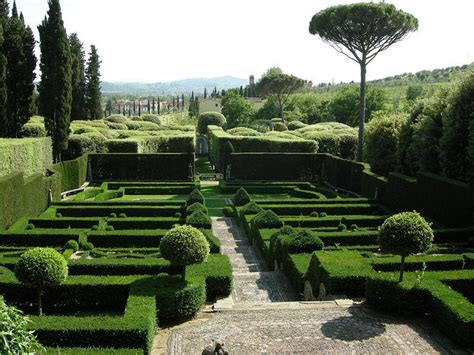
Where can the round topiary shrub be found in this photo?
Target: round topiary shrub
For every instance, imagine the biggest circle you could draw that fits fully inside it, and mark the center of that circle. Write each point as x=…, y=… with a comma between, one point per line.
x=266, y=219
x=195, y=196
x=39, y=268
x=293, y=125
x=251, y=208
x=279, y=127
x=275, y=242
x=109, y=228
x=184, y=245
x=196, y=206
x=301, y=242
x=210, y=119
x=228, y=211
x=314, y=214
x=122, y=215
x=354, y=227
x=30, y=226
x=95, y=227
x=59, y=215
x=199, y=219
x=88, y=246
x=341, y=227
x=178, y=215
x=72, y=244
x=323, y=214
x=405, y=234
x=113, y=215
x=241, y=197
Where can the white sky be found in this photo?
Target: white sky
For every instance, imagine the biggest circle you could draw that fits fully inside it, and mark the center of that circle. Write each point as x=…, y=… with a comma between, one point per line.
x=152, y=40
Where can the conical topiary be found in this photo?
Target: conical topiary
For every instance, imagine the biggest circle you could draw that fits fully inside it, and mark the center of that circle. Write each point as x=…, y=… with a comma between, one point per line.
x=241, y=197
x=195, y=196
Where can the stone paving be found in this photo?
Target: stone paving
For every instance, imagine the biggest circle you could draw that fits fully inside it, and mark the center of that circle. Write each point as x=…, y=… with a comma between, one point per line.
x=258, y=319
x=253, y=282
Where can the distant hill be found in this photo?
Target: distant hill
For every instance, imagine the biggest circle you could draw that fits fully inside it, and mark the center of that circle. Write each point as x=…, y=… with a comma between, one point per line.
x=178, y=87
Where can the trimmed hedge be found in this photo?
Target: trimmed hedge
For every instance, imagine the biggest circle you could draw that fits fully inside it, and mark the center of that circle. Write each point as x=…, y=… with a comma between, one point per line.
x=31, y=238
x=143, y=167
x=127, y=238
x=199, y=219
x=130, y=211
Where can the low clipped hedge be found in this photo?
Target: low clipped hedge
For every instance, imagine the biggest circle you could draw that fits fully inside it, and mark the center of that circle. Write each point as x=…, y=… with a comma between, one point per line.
x=31, y=238
x=125, y=266
x=144, y=238
x=130, y=211
x=144, y=223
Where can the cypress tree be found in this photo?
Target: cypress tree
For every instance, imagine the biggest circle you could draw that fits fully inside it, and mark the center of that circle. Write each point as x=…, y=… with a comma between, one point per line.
x=205, y=93
x=182, y=102
x=192, y=96
x=18, y=46
x=78, y=107
x=158, y=105
x=154, y=105
x=3, y=81
x=93, y=96
x=134, y=107
x=149, y=106
x=174, y=103
x=139, y=107
x=196, y=107
x=241, y=91
x=56, y=73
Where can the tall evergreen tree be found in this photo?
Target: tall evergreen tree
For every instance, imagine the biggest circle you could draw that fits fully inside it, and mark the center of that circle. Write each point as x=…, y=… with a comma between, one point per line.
x=78, y=107
x=158, y=105
x=139, y=107
x=18, y=47
x=192, y=96
x=108, y=107
x=3, y=85
x=93, y=96
x=148, y=105
x=182, y=102
x=205, y=93
x=55, y=89
x=134, y=107
x=154, y=105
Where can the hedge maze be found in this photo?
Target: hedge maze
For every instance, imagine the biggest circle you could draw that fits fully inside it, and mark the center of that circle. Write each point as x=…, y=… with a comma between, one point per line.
x=328, y=241
x=119, y=288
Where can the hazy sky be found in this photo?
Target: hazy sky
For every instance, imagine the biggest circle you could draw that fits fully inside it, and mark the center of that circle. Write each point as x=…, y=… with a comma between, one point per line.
x=151, y=40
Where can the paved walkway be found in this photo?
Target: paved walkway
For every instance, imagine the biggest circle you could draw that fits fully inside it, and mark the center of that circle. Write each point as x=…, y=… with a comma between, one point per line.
x=253, y=282
x=259, y=319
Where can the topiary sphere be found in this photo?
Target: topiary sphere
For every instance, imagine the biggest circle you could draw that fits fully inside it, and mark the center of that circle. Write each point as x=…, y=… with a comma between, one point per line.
x=210, y=119
x=72, y=244
x=184, y=245
x=41, y=267
x=405, y=233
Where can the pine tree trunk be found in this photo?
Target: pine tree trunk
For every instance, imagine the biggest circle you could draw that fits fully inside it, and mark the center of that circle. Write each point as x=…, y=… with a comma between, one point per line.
x=402, y=268
x=40, y=302
x=363, y=72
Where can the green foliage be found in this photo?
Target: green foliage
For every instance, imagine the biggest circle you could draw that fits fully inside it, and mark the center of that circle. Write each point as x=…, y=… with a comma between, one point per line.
x=93, y=95
x=78, y=106
x=184, y=245
x=3, y=82
x=344, y=105
x=199, y=219
x=456, y=142
x=237, y=109
x=300, y=242
x=294, y=125
x=381, y=142
x=195, y=196
x=266, y=219
x=228, y=211
x=16, y=335
x=196, y=206
x=210, y=119
x=72, y=244
x=39, y=268
x=250, y=208
x=241, y=197
x=55, y=89
x=88, y=246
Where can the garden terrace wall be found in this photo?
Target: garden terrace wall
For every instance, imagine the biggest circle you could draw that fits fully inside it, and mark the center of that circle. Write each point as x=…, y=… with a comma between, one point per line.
x=218, y=139
x=142, y=167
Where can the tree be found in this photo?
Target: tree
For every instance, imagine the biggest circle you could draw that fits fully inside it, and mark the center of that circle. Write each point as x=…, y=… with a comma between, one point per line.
x=405, y=234
x=78, y=106
x=55, y=89
x=39, y=268
x=238, y=110
x=279, y=86
x=361, y=31
x=345, y=102
x=182, y=102
x=158, y=105
x=93, y=95
x=205, y=93
x=184, y=245
x=19, y=47
x=109, y=106
x=3, y=85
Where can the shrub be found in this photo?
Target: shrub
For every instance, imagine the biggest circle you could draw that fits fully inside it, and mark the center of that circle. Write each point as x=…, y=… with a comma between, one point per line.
x=109, y=228
x=323, y=214
x=16, y=335
x=116, y=119
x=178, y=215
x=184, y=245
x=210, y=118
x=39, y=268
x=195, y=196
x=122, y=215
x=354, y=227
x=279, y=127
x=275, y=244
x=314, y=214
x=267, y=219
x=151, y=118
x=296, y=125
x=72, y=244
x=196, y=206
x=405, y=234
x=30, y=226
x=301, y=242
x=250, y=208
x=199, y=219
x=113, y=215
x=241, y=197
x=341, y=227
x=228, y=211
x=88, y=246
x=95, y=227
x=33, y=129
